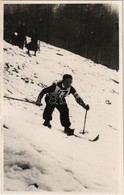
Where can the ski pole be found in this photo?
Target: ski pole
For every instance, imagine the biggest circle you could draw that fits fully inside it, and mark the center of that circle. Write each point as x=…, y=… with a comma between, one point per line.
x=83, y=132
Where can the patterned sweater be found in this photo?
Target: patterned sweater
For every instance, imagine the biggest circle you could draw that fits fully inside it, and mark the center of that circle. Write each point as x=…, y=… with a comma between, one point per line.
x=57, y=93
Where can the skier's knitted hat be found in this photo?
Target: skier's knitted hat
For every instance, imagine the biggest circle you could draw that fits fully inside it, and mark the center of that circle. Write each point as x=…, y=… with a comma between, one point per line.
x=67, y=76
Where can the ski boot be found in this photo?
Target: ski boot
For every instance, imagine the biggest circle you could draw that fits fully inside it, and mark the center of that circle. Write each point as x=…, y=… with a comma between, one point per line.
x=69, y=131
x=47, y=124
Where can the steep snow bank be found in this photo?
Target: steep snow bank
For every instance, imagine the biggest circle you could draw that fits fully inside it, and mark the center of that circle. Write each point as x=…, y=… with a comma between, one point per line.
x=41, y=159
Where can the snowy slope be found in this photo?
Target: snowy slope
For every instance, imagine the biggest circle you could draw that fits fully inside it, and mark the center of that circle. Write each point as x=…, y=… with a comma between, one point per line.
x=46, y=160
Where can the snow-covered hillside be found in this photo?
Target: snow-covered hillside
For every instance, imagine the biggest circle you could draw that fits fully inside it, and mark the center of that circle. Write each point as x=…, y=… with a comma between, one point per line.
x=46, y=160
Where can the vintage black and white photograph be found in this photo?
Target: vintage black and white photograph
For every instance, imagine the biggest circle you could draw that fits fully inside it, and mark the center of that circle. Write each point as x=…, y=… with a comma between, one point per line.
x=62, y=123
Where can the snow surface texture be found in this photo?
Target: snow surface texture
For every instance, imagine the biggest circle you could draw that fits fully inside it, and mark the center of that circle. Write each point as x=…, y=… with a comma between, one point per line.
x=40, y=159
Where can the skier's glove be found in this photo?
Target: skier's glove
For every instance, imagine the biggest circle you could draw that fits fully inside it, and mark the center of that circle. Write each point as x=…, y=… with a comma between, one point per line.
x=38, y=103
x=87, y=107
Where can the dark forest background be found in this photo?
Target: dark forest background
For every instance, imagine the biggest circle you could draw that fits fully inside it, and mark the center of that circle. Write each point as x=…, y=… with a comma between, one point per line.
x=90, y=30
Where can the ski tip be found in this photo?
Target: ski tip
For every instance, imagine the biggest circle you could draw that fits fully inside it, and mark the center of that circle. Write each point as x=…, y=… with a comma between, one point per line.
x=95, y=139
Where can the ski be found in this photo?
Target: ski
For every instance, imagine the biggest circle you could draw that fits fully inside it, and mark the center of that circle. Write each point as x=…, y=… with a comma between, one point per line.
x=86, y=138
x=95, y=139
x=81, y=137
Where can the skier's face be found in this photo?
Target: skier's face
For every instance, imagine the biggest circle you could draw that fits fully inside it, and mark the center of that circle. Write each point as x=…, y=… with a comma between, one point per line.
x=67, y=83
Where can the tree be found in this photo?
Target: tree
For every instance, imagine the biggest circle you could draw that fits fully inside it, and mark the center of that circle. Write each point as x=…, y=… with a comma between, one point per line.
x=90, y=30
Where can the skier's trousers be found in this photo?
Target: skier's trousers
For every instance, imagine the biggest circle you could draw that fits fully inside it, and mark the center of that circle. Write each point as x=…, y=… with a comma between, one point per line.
x=61, y=107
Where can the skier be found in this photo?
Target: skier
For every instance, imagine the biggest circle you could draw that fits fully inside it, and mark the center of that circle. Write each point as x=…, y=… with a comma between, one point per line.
x=33, y=45
x=21, y=37
x=55, y=98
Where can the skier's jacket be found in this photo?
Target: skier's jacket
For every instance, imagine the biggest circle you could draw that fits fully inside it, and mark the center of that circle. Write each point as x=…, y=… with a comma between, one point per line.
x=56, y=93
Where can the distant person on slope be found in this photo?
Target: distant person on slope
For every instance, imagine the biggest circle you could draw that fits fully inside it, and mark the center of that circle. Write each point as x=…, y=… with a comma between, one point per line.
x=33, y=45
x=55, y=98
x=21, y=37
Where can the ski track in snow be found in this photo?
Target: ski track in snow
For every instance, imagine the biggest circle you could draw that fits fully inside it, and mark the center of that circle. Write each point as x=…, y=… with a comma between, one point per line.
x=46, y=160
